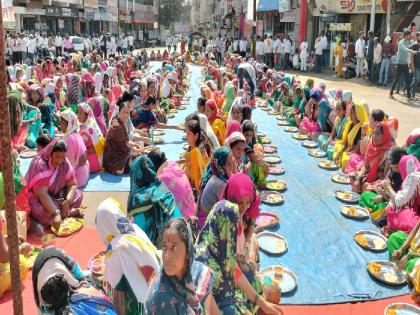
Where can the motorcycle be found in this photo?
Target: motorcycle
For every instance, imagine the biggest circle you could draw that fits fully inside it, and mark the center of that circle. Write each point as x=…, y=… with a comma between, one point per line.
x=349, y=68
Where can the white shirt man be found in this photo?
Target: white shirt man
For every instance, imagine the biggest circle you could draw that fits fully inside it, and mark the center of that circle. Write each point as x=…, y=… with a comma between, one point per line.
x=360, y=50
x=88, y=44
x=377, y=53
x=175, y=42
x=287, y=46
x=276, y=45
x=58, y=41
x=243, y=44
x=9, y=44
x=125, y=43
x=268, y=45
x=220, y=45
x=130, y=41
x=16, y=45
x=260, y=49
x=31, y=45
x=324, y=42
x=24, y=44
x=235, y=45
x=303, y=55
x=318, y=46
x=169, y=42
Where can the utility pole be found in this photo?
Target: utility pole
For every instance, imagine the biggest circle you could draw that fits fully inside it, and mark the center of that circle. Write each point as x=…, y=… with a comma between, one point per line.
x=388, y=17
x=9, y=186
x=372, y=16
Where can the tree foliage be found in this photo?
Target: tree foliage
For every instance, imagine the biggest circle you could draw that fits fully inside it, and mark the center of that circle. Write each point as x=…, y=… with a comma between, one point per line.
x=171, y=11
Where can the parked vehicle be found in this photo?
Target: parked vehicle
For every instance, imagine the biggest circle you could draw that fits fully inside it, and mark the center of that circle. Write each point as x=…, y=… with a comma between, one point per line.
x=78, y=43
x=349, y=68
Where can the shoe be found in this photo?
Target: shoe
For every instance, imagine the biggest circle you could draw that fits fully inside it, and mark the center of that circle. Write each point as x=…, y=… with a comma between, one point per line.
x=391, y=94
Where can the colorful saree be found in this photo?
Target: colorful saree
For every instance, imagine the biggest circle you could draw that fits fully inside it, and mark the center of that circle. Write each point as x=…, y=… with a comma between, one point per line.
x=404, y=213
x=171, y=296
x=42, y=174
x=93, y=139
x=150, y=203
x=131, y=262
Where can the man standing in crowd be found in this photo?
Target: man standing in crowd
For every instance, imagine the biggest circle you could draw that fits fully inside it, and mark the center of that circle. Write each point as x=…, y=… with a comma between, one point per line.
x=303, y=55
x=318, y=54
x=124, y=45
x=369, y=56
x=268, y=50
x=387, y=53
x=24, y=47
x=169, y=43
x=402, y=63
x=16, y=49
x=44, y=46
x=360, y=54
x=175, y=43
x=219, y=49
x=260, y=49
x=68, y=44
x=58, y=45
x=131, y=42
x=377, y=59
x=325, y=57
x=31, y=48
x=287, y=52
x=415, y=70
x=276, y=52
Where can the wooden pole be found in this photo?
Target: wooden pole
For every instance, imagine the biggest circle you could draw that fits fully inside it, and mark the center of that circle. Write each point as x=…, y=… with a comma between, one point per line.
x=9, y=186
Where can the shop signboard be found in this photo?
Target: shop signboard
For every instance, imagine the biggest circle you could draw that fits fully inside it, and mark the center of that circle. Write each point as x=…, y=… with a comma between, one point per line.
x=8, y=12
x=62, y=12
x=284, y=5
x=91, y=4
x=349, y=6
x=340, y=27
x=288, y=16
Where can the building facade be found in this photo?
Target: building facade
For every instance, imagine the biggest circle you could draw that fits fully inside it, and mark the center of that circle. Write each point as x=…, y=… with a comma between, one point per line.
x=86, y=16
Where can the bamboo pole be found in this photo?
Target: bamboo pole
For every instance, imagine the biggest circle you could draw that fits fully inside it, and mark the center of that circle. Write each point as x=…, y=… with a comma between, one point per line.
x=9, y=187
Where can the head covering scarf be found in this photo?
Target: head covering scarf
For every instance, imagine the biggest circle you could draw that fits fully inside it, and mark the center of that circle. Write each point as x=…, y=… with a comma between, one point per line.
x=208, y=131
x=129, y=252
x=72, y=122
x=90, y=127
x=97, y=79
x=376, y=152
x=217, y=246
x=238, y=186
x=235, y=136
x=413, y=143
x=362, y=114
x=41, y=169
x=212, y=104
x=190, y=292
x=38, y=89
x=229, y=96
x=410, y=189
x=64, y=265
x=216, y=166
x=73, y=89
x=232, y=127
x=151, y=204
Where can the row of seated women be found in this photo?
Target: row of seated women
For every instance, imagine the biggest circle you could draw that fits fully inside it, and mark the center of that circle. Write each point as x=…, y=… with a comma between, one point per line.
x=362, y=144
x=200, y=211
x=103, y=116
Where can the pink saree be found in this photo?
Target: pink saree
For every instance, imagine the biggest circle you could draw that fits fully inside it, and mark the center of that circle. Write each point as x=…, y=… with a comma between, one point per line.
x=42, y=174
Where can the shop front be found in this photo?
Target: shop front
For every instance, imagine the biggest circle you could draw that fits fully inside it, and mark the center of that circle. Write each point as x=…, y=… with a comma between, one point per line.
x=60, y=20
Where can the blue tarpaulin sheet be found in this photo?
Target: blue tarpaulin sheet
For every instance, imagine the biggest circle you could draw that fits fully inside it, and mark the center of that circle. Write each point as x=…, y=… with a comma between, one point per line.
x=268, y=5
x=329, y=265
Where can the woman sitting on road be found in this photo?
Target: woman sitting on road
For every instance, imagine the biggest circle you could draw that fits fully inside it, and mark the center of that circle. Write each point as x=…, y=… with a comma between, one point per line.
x=216, y=121
x=175, y=179
x=184, y=285
x=76, y=148
x=150, y=202
x=53, y=194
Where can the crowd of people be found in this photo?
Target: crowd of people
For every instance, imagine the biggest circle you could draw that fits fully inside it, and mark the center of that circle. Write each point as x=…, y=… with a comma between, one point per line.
x=187, y=243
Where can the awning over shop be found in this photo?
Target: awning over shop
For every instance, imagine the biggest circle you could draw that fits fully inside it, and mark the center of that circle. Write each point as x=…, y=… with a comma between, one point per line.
x=268, y=5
